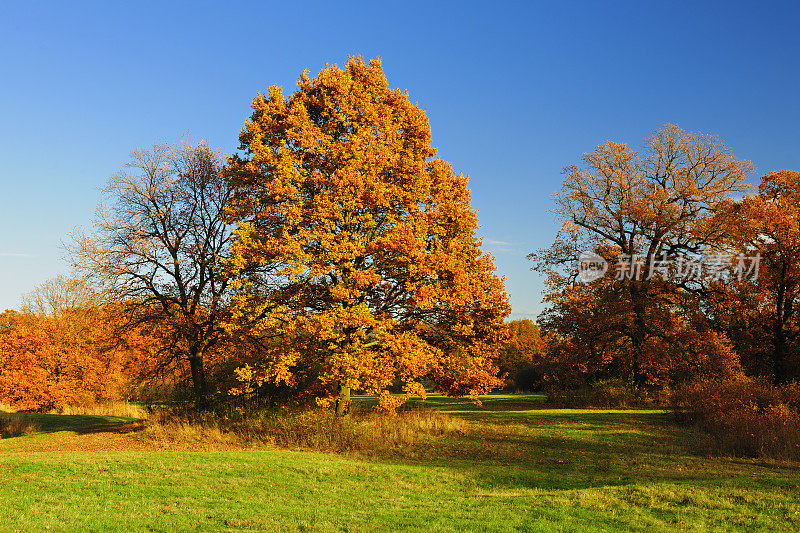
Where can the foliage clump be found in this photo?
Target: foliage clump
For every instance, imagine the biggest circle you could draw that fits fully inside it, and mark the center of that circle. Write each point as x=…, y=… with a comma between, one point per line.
x=748, y=417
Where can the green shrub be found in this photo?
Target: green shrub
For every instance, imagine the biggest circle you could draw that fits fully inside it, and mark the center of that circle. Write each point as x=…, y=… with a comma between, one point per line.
x=528, y=379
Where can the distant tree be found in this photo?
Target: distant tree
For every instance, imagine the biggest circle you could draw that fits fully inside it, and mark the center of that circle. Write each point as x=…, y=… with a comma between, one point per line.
x=160, y=247
x=60, y=295
x=60, y=353
x=366, y=243
x=672, y=198
x=523, y=349
x=770, y=226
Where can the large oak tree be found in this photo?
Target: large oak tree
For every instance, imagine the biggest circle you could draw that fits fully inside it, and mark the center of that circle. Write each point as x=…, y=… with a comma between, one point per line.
x=364, y=241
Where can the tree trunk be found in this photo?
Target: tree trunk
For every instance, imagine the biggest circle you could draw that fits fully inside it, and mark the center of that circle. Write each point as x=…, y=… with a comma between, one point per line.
x=638, y=337
x=779, y=369
x=343, y=401
x=779, y=372
x=198, y=379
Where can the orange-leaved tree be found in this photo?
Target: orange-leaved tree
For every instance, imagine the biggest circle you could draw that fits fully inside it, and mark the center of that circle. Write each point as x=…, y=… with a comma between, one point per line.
x=770, y=223
x=642, y=212
x=522, y=352
x=364, y=241
x=59, y=350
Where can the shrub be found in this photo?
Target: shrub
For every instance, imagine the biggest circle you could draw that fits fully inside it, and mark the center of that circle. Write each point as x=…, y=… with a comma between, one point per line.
x=15, y=426
x=746, y=417
x=108, y=408
x=528, y=379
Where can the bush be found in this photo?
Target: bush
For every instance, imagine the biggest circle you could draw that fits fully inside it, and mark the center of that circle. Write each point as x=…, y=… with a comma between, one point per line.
x=15, y=426
x=746, y=417
x=528, y=379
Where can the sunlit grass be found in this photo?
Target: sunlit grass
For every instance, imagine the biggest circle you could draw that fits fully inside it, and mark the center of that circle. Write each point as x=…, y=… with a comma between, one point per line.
x=515, y=466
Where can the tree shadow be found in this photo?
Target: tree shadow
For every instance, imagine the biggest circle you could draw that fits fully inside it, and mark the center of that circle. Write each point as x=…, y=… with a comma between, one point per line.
x=519, y=443
x=81, y=424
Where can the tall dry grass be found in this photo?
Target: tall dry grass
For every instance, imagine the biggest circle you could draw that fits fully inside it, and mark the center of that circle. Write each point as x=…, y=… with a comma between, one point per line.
x=364, y=431
x=110, y=408
x=14, y=426
x=747, y=417
x=607, y=394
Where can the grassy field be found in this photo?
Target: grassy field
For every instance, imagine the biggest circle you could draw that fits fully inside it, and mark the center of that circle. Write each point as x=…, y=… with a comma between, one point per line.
x=515, y=466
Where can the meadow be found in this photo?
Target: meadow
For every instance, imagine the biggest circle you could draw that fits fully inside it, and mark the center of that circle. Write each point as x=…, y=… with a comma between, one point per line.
x=512, y=464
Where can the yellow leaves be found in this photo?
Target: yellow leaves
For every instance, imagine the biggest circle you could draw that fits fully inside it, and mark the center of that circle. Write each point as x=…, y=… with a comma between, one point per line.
x=370, y=242
x=389, y=403
x=247, y=377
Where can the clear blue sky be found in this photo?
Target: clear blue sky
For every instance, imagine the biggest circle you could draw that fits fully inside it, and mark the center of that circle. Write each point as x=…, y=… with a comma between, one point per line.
x=514, y=92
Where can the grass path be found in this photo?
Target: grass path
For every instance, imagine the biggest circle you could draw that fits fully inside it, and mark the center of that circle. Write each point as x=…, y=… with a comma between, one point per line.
x=517, y=467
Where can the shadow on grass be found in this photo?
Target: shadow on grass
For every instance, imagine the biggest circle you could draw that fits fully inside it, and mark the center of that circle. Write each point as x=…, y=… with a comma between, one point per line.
x=515, y=442
x=81, y=424
x=519, y=442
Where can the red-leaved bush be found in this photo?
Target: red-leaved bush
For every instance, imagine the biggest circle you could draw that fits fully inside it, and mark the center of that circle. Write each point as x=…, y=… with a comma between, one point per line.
x=747, y=417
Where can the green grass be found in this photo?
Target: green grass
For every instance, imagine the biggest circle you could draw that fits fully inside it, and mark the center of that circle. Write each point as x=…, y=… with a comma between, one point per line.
x=518, y=467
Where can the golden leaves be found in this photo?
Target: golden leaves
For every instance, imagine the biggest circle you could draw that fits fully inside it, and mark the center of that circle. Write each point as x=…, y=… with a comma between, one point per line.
x=372, y=241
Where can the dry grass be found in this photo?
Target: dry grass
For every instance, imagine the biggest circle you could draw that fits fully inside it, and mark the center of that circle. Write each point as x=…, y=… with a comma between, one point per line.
x=112, y=408
x=12, y=426
x=748, y=417
x=364, y=431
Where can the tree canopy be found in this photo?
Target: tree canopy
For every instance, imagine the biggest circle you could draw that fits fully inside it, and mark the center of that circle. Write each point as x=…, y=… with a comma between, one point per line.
x=357, y=234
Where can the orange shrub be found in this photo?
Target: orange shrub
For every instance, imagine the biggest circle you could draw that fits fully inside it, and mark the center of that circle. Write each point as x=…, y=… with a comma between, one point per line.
x=748, y=417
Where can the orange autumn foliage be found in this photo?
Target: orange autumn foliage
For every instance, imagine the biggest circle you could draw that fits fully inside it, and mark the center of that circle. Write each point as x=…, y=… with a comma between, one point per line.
x=670, y=199
x=48, y=361
x=524, y=349
x=361, y=241
x=769, y=225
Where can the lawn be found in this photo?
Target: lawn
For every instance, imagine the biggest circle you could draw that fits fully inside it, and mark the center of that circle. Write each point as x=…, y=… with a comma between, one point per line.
x=517, y=466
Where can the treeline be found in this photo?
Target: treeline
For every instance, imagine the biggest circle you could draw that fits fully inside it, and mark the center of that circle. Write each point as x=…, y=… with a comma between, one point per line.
x=335, y=252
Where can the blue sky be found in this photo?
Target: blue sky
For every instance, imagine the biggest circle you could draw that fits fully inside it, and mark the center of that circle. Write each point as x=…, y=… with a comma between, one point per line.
x=514, y=92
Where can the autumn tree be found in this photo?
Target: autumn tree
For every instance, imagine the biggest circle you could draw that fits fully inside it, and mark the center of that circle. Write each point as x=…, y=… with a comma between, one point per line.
x=637, y=210
x=60, y=295
x=159, y=246
x=522, y=351
x=364, y=241
x=8, y=320
x=768, y=303
x=60, y=352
